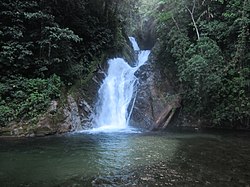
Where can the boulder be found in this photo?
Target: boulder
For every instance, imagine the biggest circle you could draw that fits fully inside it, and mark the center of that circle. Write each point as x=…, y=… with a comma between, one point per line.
x=45, y=127
x=152, y=99
x=72, y=114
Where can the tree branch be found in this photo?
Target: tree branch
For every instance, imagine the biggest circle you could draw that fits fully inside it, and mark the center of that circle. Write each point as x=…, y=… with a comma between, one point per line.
x=176, y=24
x=192, y=17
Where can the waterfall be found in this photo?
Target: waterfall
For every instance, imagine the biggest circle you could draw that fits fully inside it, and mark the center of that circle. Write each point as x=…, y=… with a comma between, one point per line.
x=134, y=44
x=117, y=93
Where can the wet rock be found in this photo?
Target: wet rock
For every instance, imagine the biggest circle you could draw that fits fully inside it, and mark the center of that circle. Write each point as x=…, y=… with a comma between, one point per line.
x=19, y=131
x=44, y=127
x=31, y=135
x=43, y=131
x=151, y=96
x=72, y=114
x=147, y=34
x=85, y=106
x=53, y=107
x=4, y=131
x=59, y=120
x=64, y=128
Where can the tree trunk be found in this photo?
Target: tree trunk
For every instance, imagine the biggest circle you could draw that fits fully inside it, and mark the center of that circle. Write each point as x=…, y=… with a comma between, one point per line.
x=169, y=118
x=191, y=12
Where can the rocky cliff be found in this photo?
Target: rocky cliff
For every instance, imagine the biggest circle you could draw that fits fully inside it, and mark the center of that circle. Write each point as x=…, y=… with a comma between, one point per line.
x=155, y=94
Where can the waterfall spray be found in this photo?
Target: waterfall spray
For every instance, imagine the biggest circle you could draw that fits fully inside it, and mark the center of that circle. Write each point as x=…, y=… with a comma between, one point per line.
x=117, y=94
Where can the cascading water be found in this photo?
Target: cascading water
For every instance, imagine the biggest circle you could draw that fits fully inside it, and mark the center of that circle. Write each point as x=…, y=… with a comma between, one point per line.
x=134, y=44
x=115, y=104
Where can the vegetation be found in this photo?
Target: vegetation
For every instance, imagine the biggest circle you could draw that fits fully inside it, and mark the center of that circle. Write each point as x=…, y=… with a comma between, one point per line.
x=203, y=46
x=23, y=98
x=47, y=44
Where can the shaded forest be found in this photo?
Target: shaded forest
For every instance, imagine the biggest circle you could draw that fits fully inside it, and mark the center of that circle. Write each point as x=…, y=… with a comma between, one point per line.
x=204, y=50
x=201, y=46
x=49, y=45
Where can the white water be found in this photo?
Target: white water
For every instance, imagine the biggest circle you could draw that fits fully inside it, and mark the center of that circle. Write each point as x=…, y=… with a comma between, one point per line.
x=117, y=93
x=134, y=44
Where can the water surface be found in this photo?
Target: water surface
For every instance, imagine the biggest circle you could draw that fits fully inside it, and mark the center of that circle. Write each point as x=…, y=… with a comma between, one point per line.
x=127, y=159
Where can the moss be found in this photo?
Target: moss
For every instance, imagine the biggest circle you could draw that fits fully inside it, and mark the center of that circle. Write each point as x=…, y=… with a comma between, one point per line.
x=5, y=131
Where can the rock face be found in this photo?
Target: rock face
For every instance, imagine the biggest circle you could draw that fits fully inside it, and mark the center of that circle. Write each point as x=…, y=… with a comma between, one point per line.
x=146, y=34
x=72, y=114
x=59, y=120
x=152, y=97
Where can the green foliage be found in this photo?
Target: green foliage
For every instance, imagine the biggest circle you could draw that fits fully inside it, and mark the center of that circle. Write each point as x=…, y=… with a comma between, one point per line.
x=212, y=72
x=56, y=34
x=41, y=38
x=6, y=114
x=23, y=98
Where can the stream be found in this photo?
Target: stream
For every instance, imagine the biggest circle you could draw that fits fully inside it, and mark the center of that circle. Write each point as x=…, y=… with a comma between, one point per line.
x=127, y=159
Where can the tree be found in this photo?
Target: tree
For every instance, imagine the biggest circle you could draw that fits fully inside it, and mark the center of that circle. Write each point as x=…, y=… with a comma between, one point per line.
x=42, y=41
x=208, y=54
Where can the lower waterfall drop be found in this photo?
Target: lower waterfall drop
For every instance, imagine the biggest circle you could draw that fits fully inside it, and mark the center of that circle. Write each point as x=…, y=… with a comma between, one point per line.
x=117, y=93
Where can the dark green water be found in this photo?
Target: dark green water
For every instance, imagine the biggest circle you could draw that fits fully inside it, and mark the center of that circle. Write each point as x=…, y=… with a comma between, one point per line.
x=127, y=159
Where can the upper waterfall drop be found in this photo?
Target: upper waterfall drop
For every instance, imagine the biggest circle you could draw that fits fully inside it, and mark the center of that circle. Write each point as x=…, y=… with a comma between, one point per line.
x=117, y=93
x=134, y=43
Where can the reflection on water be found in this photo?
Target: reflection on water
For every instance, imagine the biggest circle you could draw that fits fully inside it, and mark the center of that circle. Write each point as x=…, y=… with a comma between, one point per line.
x=119, y=159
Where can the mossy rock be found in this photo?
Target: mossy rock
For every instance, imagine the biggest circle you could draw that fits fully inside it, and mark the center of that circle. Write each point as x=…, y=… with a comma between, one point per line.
x=5, y=131
x=43, y=131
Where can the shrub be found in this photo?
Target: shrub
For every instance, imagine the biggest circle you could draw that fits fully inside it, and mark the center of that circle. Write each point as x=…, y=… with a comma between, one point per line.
x=23, y=98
